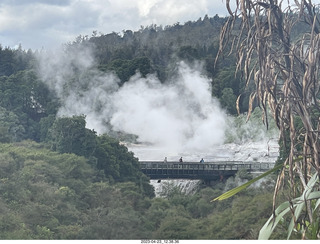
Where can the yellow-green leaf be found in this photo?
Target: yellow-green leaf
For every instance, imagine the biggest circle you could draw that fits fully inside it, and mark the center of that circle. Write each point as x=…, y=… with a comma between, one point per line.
x=234, y=191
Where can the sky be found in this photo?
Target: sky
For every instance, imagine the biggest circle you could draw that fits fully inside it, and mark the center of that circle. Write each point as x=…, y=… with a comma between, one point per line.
x=48, y=24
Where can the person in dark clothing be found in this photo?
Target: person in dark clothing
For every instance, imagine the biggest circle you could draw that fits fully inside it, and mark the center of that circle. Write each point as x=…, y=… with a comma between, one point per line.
x=180, y=160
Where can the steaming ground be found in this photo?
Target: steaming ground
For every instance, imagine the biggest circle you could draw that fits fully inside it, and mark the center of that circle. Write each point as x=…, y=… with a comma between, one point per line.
x=258, y=151
x=261, y=151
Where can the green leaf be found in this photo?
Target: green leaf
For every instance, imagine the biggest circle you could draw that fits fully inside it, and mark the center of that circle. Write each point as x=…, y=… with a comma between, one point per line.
x=272, y=222
x=234, y=191
x=305, y=195
x=297, y=203
x=317, y=204
x=314, y=195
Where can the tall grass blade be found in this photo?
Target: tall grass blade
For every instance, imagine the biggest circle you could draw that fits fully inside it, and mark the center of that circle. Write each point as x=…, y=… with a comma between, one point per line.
x=234, y=191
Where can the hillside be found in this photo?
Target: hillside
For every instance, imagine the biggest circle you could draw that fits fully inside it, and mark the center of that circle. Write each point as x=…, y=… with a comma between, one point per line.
x=48, y=195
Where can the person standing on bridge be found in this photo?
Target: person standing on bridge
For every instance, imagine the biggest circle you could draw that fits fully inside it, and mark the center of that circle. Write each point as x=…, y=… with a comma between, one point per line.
x=165, y=160
x=180, y=160
x=202, y=161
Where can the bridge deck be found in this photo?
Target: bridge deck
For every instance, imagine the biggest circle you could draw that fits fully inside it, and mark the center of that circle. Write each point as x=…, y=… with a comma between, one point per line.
x=196, y=170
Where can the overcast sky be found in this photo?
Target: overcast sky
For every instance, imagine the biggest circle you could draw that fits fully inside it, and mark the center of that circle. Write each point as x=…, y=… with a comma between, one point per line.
x=47, y=24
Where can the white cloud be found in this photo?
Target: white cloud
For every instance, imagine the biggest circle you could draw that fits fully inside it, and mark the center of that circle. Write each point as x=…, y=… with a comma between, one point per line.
x=42, y=23
x=50, y=23
x=170, y=11
x=145, y=6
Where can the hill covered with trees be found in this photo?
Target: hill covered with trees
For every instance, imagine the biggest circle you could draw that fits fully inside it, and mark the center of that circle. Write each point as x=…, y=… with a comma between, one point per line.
x=50, y=195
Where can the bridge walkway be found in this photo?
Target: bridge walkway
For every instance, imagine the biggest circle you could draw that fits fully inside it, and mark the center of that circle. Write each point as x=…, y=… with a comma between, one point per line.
x=196, y=170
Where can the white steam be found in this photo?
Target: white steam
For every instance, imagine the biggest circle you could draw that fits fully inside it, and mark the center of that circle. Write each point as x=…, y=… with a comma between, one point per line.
x=180, y=114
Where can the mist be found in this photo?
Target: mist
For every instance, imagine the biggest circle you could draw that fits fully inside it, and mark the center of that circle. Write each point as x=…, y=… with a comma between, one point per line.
x=179, y=115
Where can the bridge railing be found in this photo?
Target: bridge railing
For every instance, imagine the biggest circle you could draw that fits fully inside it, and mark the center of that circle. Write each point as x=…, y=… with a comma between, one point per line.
x=235, y=165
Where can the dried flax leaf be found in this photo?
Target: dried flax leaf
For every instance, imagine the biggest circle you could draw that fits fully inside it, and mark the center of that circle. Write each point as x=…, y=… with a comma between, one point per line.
x=237, y=104
x=272, y=103
x=224, y=37
x=232, y=46
x=264, y=109
x=292, y=151
x=248, y=71
x=251, y=100
x=240, y=58
x=228, y=7
x=243, y=10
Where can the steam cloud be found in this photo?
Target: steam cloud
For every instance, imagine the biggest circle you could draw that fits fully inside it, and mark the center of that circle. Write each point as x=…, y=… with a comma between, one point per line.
x=180, y=114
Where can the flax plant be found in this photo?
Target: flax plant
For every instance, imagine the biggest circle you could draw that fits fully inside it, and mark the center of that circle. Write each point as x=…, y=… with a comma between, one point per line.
x=285, y=72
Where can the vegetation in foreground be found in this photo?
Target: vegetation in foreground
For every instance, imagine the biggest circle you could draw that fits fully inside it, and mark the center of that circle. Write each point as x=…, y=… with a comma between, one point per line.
x=50, y=195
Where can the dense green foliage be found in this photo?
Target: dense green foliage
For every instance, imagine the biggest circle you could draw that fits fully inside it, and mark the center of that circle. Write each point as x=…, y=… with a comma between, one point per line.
x=49, y=195
x=24, y=101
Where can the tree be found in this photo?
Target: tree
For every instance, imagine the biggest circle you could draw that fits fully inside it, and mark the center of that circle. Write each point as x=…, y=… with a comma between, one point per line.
x=284, y=69
x=10, y=128
x=126, y=68
x=29, y=98
x=228, y=83
x=228, y=100
x=176, y=225
x=119, y=164
x=188, y=53
x=70, y=135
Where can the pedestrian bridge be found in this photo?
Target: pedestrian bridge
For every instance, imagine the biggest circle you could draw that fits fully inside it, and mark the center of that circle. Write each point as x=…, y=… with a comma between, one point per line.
x=196, y=170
